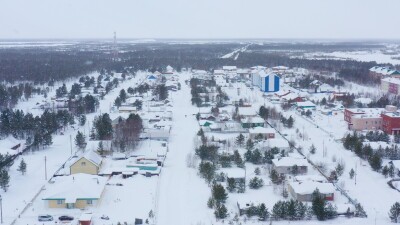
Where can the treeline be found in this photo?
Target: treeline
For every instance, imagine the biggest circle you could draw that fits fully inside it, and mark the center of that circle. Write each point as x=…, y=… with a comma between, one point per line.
x=10, y=95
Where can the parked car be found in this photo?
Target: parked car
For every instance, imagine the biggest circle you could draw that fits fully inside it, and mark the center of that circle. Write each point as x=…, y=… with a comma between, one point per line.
x=43, y=218
x=104, y=217
x=66, y=218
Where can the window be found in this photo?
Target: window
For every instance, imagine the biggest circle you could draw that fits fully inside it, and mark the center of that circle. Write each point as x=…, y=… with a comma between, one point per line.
x=89, y=202
x=60, y=202
x=83, y=163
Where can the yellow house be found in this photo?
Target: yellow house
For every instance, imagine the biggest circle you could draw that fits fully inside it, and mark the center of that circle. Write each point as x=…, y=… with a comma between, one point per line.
x=89, y=163
x=74, y=191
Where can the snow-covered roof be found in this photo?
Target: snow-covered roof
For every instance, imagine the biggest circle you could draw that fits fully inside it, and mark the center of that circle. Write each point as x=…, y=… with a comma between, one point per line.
x=73, y=187
x=308, y=187
x=261, y=130
x=92, y=157
x=314, y=178
x=229, y=68
x=289, y=161
x=305, y=104
x=219, y=72
x=277, y=142
x=127, y=108
x=256, y=119
x=247, y=111
x=391, y=80
x=363, y=100
x=396, y=164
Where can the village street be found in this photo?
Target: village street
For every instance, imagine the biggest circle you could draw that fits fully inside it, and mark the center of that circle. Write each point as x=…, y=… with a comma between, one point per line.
x=182, y=193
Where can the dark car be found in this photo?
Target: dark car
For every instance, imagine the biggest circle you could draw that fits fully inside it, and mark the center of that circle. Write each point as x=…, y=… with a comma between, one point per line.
x=66, y=218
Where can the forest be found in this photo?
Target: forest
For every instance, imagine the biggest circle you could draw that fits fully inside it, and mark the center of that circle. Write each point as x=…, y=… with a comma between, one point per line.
x=47, y=64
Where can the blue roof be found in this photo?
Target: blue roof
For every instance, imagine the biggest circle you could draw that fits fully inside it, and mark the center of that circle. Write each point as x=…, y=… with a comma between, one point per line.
x=151, y=77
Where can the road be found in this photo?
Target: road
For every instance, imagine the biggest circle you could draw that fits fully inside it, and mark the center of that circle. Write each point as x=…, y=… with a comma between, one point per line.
x=182, y=197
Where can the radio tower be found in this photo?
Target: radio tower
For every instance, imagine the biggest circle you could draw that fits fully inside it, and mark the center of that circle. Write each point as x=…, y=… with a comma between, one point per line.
x=115, y=51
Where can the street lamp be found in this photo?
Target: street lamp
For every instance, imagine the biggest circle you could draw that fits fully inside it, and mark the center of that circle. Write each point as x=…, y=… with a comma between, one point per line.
x=1, y=209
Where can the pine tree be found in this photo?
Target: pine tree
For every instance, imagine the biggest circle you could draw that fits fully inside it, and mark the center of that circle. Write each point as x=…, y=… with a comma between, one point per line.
x=394, y=213
x=375, y=161
x=80, y=141
x=351, y=173
x=274, y=176
x=221, y=212
x=122, y=95
x=118, y=102
x=290, y=122
x=248, y=155
x=238, y=159
x=207, y=171
x=219, y=193
x=339, y=169
x=313, y=149
x=22, y=167
x=82, y=120
x=256, y=156
x=256, y=183
x=231, y=184
x=385, y=171
x=391, y=170
x=257, y=171
x=4, y=179
x=249, y=144
x=100, y=148
x=262, y=212
x=240, y=140
x=321, y=208
x=47, y=139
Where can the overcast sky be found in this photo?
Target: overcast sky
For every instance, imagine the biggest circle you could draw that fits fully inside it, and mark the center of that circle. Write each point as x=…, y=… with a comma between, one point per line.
x=200, y=19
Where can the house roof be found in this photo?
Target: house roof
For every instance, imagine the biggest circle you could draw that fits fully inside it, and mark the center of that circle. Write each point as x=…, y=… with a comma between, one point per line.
x=308, y=187
x=305, y=104
x=127, y=108
x=261, y=130
x=73, y=187
x=314, y=178
x=290, y=161
x=247, y=111
x=92, y=157
x=229, y=68
x=277, y=142
x=256, y=119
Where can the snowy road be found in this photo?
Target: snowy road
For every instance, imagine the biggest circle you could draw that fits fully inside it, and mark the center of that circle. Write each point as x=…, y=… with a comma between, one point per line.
x=182, y=194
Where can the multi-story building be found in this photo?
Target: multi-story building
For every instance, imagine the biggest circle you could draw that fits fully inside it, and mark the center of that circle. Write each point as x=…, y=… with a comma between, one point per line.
x=390, y=85
x=391, y=122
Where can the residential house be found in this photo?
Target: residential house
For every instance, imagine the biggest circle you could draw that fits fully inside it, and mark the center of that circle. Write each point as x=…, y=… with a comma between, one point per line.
x=303, y=191
x=281, y=144
x=252, y=122
x=285, y=165
x=89, y=163
x=266, y=133
x=75, y=191
x=305, y=105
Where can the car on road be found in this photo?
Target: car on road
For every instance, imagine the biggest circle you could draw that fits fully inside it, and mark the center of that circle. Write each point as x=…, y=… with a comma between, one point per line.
x=66, y=218
x=43, y=218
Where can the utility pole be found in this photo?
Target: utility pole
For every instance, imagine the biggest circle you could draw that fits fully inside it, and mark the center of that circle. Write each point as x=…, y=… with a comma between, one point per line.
x=355, y=176
x=45, y=168
x=1, y=209
x=70, y=141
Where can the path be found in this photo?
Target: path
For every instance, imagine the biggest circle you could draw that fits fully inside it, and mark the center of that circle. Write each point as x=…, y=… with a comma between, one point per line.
x=182, y=193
